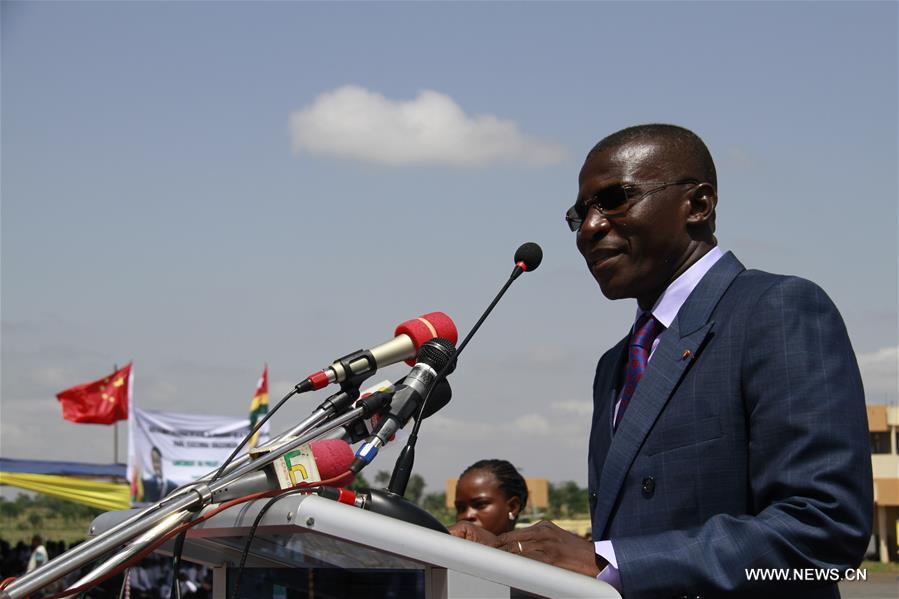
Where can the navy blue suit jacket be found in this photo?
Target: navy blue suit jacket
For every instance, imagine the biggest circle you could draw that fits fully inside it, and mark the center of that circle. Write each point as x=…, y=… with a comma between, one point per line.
x=745, y=444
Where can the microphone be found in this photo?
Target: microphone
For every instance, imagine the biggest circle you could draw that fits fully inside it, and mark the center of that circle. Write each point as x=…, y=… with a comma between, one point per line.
x=408, y=339
x=435, y=356
x=528, y=257
x=362, y=428
x=313, y=462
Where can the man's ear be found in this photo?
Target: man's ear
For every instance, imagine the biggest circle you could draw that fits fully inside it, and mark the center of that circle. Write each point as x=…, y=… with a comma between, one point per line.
x=703, y=199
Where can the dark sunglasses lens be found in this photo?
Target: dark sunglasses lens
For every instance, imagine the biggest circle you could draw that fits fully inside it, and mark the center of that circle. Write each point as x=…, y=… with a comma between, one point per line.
x=611, y=199
x=573, y=219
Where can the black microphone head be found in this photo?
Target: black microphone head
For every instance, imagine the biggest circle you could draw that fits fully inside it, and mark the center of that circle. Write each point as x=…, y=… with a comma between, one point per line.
x=530, y=254
x=437, y=353
x=441, y=395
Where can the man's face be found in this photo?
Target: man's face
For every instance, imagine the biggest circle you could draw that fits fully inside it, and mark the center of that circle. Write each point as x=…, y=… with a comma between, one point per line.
x=637, y=253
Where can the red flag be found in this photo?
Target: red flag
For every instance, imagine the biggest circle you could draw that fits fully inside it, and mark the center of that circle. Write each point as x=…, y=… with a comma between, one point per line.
x=99, y=402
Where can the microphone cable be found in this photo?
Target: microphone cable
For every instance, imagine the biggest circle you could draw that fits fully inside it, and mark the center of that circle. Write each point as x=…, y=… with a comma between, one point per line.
x=255, y=429
x=156, y=544
x=252, y=534
x=184, y=527
x=175, y=592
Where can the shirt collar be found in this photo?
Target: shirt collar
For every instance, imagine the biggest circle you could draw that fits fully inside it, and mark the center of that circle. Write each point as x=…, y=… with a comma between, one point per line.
x=671, y=300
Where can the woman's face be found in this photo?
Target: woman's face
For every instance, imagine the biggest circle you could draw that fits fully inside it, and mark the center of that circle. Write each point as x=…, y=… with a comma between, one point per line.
x=480, y=501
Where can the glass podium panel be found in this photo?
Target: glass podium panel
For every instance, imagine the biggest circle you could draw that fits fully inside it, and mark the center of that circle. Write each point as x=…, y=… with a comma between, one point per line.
x=309, y=546
x=327, y=583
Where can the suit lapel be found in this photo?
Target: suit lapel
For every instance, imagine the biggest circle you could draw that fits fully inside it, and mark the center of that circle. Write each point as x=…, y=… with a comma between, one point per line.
x=604, y=396
x=678, y=347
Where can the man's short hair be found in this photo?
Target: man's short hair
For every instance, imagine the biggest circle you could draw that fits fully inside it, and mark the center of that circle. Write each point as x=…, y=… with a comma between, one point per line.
x=682, y=141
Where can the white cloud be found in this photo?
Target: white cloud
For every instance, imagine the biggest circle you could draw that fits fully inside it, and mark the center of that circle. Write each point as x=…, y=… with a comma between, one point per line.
x=880, y=373
x=572, y=406
x=738, y=158
x=353, y=122
x=532, y=424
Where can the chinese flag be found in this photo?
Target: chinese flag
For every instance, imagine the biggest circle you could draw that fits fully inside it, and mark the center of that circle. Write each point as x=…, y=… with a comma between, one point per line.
x=100, y=402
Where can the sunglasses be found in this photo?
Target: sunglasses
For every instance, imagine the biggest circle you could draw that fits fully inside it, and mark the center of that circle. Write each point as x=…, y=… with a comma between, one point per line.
x=615, y=200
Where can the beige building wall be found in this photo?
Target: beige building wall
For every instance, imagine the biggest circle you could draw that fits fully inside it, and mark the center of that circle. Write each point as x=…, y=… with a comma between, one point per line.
x=883, y=421
x=538, y=492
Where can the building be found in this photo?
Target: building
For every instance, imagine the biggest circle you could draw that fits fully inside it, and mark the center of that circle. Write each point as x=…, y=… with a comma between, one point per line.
x=883, y=427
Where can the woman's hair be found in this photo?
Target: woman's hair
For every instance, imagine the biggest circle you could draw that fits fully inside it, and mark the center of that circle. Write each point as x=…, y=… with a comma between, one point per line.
x=510, y=481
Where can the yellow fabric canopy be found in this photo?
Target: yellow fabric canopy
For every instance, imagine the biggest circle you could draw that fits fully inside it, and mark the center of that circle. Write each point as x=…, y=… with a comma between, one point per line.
x=103, y=495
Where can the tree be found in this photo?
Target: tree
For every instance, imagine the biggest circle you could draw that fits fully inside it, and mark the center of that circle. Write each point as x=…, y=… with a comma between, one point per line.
x=359, y=483
x=10, y=509
x=567, y=500
x=435, y=504
x=415, y=488
x=35, y=519
x=382, y=478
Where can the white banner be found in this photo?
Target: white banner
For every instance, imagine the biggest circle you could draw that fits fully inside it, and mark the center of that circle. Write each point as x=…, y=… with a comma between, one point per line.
x=168, y=449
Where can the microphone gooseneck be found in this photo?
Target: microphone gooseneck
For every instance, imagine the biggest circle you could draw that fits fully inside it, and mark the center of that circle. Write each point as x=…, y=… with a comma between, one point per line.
x=528, y=257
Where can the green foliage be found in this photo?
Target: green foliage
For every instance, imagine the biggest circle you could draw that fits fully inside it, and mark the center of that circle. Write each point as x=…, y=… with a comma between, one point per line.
x=382, y=478
x=415, y=488
x=10, y=509
x=35, y=519
x=68, y=511
x=359, y=483
x=52, y=517
x=567, y=500
x=435, y=504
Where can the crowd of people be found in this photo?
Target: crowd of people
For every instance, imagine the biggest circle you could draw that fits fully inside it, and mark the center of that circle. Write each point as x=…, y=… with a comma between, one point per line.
x=151, y=579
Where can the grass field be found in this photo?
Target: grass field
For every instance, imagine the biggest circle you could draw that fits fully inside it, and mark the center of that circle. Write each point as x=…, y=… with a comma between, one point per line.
x=53, y=519
x=50, y=527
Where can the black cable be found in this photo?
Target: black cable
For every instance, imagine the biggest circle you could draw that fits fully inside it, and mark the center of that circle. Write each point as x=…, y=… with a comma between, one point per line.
x=175, y=592
x=255, y=430
x=179, y=542
x=252, y=534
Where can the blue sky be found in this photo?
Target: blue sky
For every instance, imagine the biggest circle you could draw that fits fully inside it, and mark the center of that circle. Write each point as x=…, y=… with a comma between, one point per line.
x=173, y=192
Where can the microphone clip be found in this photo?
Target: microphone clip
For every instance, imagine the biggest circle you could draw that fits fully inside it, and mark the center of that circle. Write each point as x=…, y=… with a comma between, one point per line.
x=357, y=367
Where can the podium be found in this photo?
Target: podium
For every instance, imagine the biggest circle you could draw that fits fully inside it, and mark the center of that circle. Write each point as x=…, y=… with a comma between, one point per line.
x=308, y=546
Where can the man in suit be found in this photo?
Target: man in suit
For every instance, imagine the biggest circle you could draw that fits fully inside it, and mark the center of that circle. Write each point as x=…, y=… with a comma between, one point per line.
x=157, y=486
x=729, y=428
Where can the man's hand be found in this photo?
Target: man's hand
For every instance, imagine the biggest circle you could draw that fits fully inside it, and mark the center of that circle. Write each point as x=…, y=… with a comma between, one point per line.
x=472, y=532
x=548, y=543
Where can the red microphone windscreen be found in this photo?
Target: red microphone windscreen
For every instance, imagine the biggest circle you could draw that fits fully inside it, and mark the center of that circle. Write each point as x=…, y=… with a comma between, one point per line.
x=426, y=327
x=333, y=457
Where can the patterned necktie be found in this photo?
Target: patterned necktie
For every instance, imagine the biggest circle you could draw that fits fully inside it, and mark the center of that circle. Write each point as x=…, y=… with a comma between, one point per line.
x=638, y=347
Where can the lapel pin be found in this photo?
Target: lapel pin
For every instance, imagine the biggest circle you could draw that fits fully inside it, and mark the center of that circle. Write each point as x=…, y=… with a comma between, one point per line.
x=687, y=353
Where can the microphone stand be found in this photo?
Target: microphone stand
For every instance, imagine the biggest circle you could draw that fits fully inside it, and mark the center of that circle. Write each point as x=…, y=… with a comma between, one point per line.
x=402, y=469
x=240, y=481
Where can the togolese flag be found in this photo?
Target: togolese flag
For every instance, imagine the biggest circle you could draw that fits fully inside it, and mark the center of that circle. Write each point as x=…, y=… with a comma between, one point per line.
x=99, y=402
x=259, y=406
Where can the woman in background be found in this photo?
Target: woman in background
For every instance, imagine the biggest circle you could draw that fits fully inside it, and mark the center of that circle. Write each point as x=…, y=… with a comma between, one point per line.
x=491, y=494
